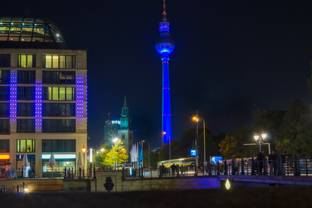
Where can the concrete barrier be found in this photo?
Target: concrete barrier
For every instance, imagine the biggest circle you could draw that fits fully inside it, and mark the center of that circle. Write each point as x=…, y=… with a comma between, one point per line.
x=152, y=184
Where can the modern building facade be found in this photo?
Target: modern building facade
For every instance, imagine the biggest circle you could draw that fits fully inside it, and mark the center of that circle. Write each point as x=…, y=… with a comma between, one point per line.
x=165, y=48
x=43, y=100
x=119, y=128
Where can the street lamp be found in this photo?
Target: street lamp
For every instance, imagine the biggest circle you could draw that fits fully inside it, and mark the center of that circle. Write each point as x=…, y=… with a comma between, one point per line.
x=115, y=140
x=102, y=150
x=196, y=119
x=260, y=140
x=83, y=150
x=163, y=133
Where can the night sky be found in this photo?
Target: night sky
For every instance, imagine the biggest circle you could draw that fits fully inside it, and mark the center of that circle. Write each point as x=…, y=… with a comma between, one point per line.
x=231, y=58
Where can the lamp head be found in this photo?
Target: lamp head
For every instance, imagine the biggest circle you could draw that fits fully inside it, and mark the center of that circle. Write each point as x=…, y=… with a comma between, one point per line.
x=264, y=136
x=115, y=140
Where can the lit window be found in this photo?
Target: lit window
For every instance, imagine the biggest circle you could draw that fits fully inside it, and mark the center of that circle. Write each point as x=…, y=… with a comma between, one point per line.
x=25, y=61
x=25, y=145
x=62, y=93
x=55, y=93
x=29, y=61
x=69, y=93
x=48, y=61
x=55, y=62
x=62, y=62
x=59, y=93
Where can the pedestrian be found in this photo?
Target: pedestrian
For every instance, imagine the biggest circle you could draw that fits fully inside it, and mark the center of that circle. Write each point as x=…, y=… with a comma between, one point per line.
x=260, y=159
x=272, y=163
x=173, y=169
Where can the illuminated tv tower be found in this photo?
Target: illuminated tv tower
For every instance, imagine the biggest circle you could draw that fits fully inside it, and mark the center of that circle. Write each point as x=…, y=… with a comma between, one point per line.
x=165, y=48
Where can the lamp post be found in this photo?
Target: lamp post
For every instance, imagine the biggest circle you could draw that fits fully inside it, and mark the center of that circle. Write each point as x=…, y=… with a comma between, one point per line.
x=196, y=119
x=163, y=133
x=260, y=140
x=115, y=141
x=83, y=150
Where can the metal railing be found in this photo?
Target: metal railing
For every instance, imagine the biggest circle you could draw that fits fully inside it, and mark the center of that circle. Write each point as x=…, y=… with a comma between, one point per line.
x=279, y=166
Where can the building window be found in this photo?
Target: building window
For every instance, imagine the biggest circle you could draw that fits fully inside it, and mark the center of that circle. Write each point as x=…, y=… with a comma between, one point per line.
x=25, y=145
x=25, y=125
x=26, y=77
x=26, y=61
x=5, y=60
x=59, y=109
x=4, y=126
x=59, y=93
x=59, y=77
x=59, y=125
x=4, y=146
x=58, y=145
x=4, y=93
x=4, y=110
x=4, y=76
x=25, y=93
x=25, y=109
x=59, y=61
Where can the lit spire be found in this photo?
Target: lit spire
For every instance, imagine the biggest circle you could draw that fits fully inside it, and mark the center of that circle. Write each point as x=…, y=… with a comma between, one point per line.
x=164, y=13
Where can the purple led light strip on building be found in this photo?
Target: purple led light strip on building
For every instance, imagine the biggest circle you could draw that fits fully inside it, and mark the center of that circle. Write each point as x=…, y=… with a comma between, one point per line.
x=13, y=94
x=38, y=106
x=79, y=96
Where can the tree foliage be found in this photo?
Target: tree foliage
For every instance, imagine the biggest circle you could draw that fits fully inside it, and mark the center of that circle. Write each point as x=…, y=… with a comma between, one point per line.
x=229, y=146
x=116, y=154
x=290, y=132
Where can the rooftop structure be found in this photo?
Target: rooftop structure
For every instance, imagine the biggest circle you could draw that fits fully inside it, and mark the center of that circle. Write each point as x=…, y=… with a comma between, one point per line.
x=29, y=32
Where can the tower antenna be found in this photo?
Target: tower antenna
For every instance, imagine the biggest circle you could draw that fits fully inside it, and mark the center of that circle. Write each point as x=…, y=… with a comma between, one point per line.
x=164, y=13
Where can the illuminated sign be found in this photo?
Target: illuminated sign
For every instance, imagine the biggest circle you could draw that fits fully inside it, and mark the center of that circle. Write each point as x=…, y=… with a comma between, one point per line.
x=193, y=153
x=116, y=122
x=215, y=159
x=58, y=156
x=4, y=157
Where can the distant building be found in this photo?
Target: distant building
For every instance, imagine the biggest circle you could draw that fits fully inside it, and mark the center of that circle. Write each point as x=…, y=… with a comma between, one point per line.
x=118, y=128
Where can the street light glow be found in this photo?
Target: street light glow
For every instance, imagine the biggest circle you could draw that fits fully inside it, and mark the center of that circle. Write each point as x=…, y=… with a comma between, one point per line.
x=264, y=135
x=195, y=118
x=102, y=150
x=256, y=137
x=83, y=150
x=115, y=140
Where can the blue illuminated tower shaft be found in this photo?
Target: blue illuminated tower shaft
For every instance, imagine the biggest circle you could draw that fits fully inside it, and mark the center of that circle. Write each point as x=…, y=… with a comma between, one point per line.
x=165, y=48
x=166, y=103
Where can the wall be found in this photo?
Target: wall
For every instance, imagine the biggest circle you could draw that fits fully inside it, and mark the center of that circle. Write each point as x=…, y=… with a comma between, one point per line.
x=154, y=183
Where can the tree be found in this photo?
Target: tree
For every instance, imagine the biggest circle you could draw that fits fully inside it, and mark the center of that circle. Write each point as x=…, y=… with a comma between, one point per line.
x=100, y=156
x=117, y=154
x=229, y=146
x=296, y=131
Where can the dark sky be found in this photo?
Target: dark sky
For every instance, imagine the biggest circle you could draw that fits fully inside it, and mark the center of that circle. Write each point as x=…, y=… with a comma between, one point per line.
x=231, y=57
